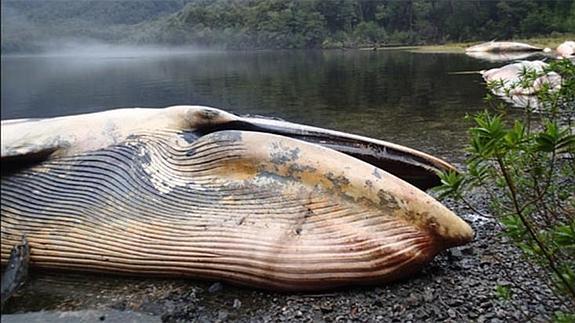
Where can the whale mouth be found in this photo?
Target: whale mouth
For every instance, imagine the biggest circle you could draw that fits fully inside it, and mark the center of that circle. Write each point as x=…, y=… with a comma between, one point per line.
x=415, y=167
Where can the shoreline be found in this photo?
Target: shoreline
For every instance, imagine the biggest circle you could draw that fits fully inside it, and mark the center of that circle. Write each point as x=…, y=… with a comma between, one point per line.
x=543, y=42
x=551, y=41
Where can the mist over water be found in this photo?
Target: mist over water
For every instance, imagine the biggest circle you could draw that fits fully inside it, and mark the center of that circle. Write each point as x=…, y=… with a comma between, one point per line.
x=39, y=26
x=90, y=48
x=394, y=95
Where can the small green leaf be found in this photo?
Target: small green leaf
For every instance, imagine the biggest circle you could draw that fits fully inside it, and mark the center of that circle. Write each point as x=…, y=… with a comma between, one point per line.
x=503, y=292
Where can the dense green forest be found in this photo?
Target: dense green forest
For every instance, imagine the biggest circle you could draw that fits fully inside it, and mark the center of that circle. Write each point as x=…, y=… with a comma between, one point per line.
x=244, y=24
x=336, y=23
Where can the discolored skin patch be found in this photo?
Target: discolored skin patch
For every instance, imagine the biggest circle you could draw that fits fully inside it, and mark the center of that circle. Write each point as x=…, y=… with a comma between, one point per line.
x=388, y=201
x=281, y=155
x=227, y=137
x=338, y=181
x=210, y=114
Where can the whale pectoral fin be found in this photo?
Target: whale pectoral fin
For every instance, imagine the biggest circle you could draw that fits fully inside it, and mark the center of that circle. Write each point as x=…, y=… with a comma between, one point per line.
x=16, y=270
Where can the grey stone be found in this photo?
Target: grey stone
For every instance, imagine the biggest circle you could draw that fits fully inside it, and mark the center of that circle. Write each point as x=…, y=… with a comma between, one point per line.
x=223, y=315
x=216, y=287
x=428, y=295
x=81, y=317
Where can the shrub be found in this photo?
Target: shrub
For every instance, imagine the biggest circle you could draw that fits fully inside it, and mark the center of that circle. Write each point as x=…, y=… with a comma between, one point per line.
x=526, y=170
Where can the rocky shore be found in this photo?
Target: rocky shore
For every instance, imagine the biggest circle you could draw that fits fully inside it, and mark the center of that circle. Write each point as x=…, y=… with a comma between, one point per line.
x=459, y=285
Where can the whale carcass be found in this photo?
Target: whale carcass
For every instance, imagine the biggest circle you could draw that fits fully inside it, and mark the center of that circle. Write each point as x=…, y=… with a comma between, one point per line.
x=502, y=46
x=566, y=49
x=192, y=191
x=508, y=82
x=496, y=57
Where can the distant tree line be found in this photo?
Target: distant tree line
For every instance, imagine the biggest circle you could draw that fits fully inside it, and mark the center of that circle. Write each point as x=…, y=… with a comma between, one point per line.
x=348, y=23
x=289, y=23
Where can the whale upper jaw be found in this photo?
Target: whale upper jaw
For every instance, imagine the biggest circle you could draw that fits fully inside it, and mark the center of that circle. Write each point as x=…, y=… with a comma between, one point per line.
x=39, y=139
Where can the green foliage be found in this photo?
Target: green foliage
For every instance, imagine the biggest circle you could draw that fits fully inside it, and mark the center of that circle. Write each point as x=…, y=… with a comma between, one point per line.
x=503, y=292
x=369, y=32
x=561, y=317
x=526, y=167
x=281, y=23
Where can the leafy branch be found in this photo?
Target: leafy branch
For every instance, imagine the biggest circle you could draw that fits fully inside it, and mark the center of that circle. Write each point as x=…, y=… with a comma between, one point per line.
x=526, y=169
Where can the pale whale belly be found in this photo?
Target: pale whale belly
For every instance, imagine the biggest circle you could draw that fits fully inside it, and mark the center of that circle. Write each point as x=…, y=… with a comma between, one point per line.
x=248, y=208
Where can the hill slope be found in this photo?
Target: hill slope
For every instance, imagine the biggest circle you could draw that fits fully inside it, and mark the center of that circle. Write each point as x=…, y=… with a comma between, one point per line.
x=279, y=23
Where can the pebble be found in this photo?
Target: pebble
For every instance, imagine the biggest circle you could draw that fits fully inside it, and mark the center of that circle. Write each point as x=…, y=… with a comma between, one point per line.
x=412, y=300
x=428, y=295
x=215, y=287
x=222, y=315
x=455, y=253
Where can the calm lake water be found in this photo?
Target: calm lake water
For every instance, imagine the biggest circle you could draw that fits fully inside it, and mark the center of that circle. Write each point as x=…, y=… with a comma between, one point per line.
x=395, y=95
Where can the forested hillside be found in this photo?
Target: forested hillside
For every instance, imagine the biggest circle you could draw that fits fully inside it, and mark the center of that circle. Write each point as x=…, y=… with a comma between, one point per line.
x=283, y=23
x=33, y=24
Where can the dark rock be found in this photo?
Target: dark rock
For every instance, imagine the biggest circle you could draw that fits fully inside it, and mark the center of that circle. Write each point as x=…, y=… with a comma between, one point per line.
x=204, y=319
x=486, y=305
x=455, y=253
x=326, y=308
x=412, y=300
x=455, y=302
x=420, y=314
x=468, y=251
x=428, y=295
x=501, y=314
x=223, y=315
x=215, y=287
x=152, y=308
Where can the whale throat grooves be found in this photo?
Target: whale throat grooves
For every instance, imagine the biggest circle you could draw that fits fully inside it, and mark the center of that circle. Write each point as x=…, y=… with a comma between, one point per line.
x=244, y=207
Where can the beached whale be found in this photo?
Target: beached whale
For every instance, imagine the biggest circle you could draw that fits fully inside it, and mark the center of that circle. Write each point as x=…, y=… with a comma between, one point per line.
x=566, y=49
x=192, y=191
x=497, y=57
x=510, y=78
x=503, y=46
x=508, y=83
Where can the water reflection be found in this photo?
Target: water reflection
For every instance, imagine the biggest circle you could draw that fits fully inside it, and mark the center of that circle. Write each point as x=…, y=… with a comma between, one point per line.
x=408, y=98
